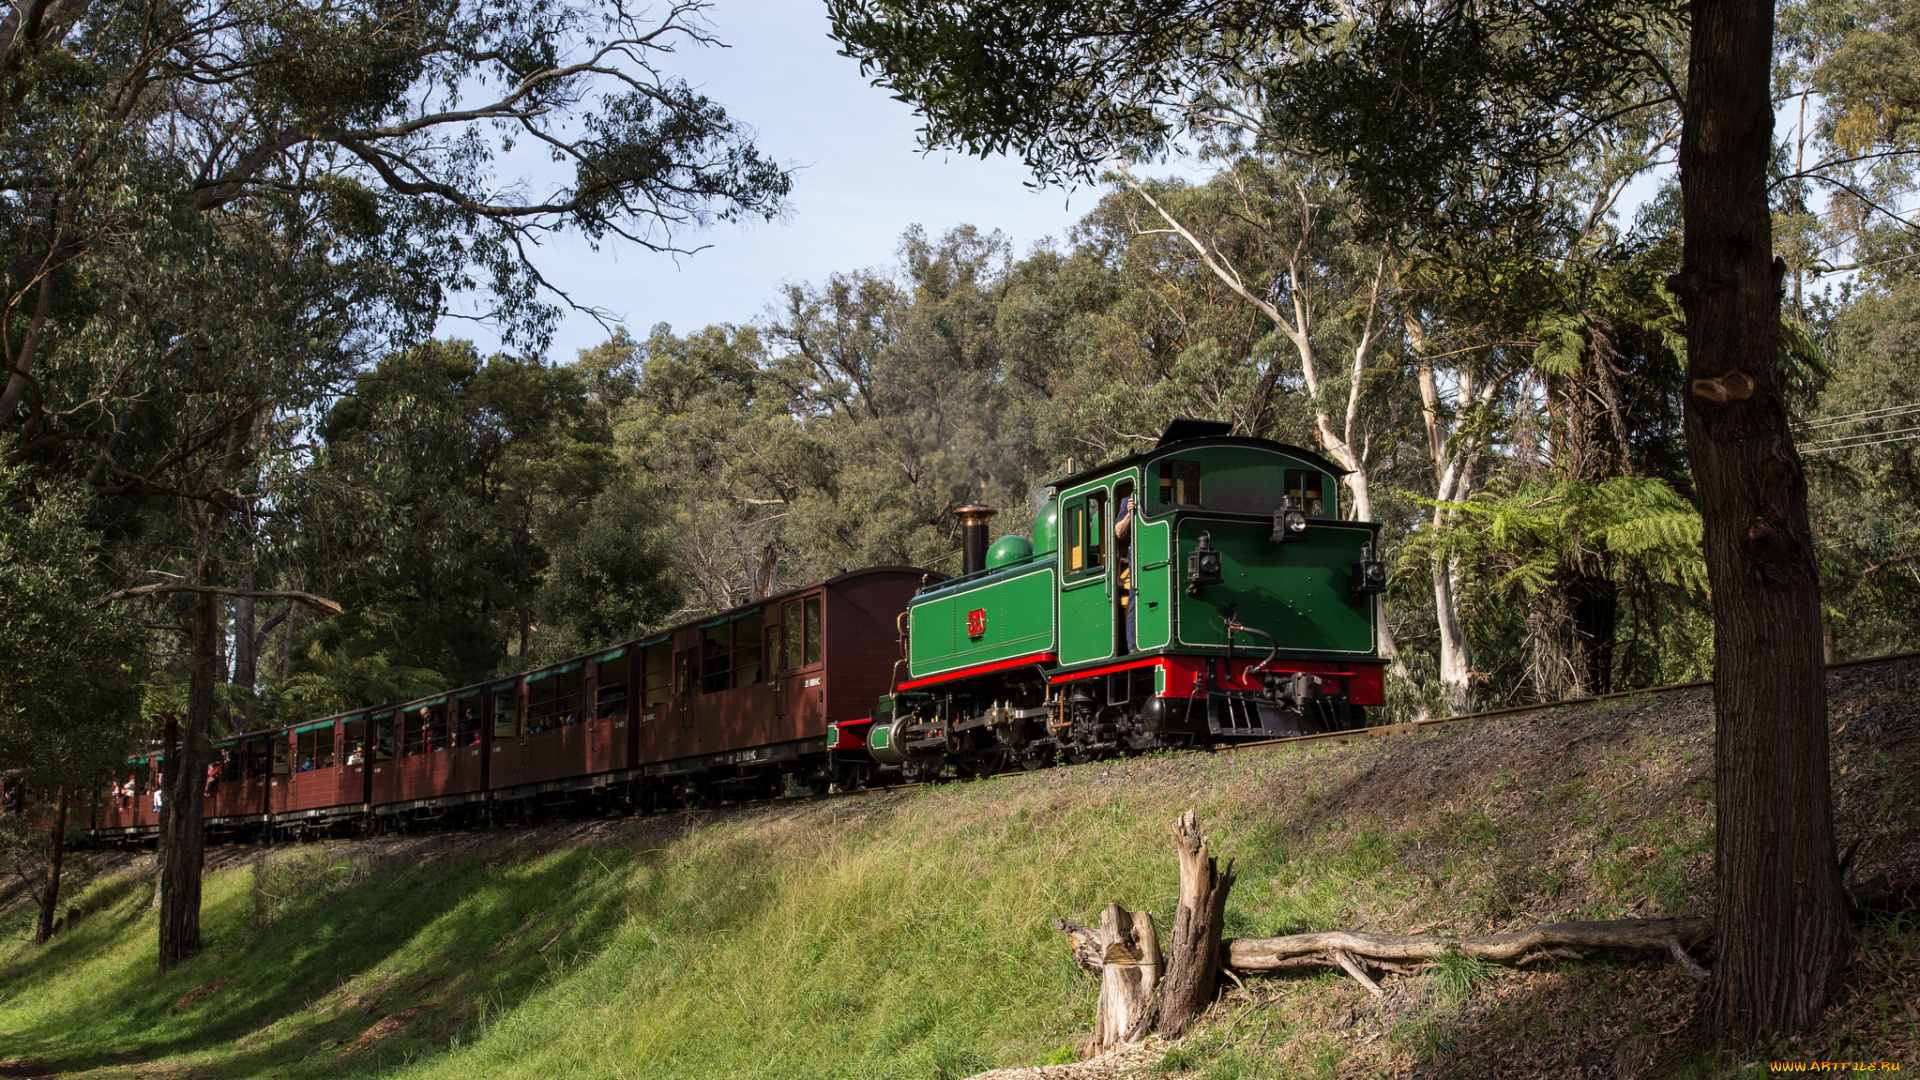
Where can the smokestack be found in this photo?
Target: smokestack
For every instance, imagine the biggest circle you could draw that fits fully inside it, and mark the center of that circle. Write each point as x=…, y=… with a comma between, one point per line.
x=973, y=537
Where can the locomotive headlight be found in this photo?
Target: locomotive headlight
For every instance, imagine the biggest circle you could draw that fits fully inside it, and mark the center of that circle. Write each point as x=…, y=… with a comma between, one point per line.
x=1369, y=574
x=1203, y=566
x=1289, y=522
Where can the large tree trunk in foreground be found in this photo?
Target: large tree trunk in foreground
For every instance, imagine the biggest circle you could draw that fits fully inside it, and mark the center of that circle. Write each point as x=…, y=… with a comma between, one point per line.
x=182, y=836
x=56, y=854
x=1193, y=968
x=1781, y=919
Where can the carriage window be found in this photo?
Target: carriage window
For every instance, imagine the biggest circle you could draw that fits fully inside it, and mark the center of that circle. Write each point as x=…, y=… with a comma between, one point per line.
x=466, y=731
x=716, y=658
x=356, y=740
x=413, y=733
x=1304, y=488
x=256, y=756
x=383, y=737
x=794, y=632
x=280, y=752
x=689, y=667
x=1179, y=483
x=321, y=749
x=657, y=661
x=569, y=696
x=813, y=629
x=746, y=652
x=506, y=710
x=611, y=697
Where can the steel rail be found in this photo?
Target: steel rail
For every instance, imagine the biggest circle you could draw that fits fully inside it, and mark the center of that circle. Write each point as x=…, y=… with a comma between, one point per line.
x=1359, y=734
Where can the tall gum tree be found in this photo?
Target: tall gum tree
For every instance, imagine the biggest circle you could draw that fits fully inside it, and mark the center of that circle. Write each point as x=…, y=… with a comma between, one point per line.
x=1448, y=118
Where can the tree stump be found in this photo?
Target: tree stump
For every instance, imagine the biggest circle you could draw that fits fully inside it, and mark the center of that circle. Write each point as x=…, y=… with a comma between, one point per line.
x=1130, y=967
x=1193, y=968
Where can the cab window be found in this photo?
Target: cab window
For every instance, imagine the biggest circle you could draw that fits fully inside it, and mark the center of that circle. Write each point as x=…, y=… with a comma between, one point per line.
x=1305, y=488
x=1179, y=483
x=1087, y=529
x=1076, y=536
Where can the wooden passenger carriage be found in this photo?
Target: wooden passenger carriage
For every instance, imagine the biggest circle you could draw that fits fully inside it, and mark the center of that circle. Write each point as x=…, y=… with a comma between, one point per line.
x=732, y=705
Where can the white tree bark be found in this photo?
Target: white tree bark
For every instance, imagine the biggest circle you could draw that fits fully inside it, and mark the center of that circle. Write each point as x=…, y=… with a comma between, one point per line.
x=1343, y=436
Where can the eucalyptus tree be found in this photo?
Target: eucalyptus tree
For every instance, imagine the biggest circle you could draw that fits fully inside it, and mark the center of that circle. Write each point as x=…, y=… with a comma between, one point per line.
x=211, y=213
x=1447, y=118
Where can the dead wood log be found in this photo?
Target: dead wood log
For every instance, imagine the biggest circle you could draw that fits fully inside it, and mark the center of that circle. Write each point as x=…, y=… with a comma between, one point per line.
x=1193, y=967
x=1130, y=967
x=1346, y=963
x=1087, y=953
x=1512, y=947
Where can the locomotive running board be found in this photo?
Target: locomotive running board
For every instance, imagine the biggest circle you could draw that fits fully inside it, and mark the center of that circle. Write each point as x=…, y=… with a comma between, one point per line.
x=1248, y=716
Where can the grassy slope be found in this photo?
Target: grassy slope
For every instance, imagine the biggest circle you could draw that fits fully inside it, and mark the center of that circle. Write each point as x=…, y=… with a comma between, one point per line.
x=905, y=935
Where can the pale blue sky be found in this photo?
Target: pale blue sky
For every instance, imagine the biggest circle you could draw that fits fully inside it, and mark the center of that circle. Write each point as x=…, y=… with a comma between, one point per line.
x=860, y=182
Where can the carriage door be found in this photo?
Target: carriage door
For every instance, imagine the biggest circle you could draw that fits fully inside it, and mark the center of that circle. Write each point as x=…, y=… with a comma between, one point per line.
x=799, y=693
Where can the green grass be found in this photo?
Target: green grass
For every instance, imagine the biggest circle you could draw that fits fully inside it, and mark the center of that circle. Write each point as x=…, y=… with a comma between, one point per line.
x=903, y=935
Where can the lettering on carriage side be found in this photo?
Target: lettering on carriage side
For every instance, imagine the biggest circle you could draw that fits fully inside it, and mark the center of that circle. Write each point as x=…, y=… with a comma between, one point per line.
x=815, y=681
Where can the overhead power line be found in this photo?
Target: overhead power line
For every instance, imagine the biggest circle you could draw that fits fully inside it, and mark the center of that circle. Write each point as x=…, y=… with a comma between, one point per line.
x=1885, y=413
x=1822, y=448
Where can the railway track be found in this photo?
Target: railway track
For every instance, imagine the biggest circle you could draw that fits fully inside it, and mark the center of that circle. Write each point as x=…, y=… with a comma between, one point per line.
x=1385, y=731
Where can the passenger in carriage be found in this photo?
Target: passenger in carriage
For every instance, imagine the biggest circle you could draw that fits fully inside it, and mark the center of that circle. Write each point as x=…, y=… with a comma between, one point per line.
x=213, y=776
x=572, y=717
x=307, y=765
x=359, y=754
x=118, y=796
x=229, y=768
x=469, y=730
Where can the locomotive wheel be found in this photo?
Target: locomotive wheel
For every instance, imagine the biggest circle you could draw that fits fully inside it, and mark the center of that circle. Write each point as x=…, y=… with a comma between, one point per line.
x=990, y=763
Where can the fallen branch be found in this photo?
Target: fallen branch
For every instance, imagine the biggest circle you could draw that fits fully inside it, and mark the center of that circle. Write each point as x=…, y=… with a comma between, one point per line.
x=1687, y=963
x=1510, y=948
x=1353, y=969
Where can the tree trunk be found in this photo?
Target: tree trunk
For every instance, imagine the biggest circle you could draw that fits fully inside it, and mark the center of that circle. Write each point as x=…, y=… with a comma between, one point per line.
x=182, y=836
x=1193, y=969
x=246, y=646
x=1781, y=918
x=56, y=853
x=1130, y=966
x=1455, y=661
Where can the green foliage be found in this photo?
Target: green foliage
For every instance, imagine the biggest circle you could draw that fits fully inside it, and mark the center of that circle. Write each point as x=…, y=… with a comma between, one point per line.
x=332, y=681
x=1516, y=538
x=497, y=524
x=69, y=673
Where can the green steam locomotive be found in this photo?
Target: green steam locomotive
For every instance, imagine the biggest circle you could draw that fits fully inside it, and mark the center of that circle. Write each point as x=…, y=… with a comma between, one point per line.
x=1205, y=590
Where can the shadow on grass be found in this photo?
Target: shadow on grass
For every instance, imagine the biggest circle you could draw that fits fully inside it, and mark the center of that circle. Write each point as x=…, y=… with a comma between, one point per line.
x=451, y=934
